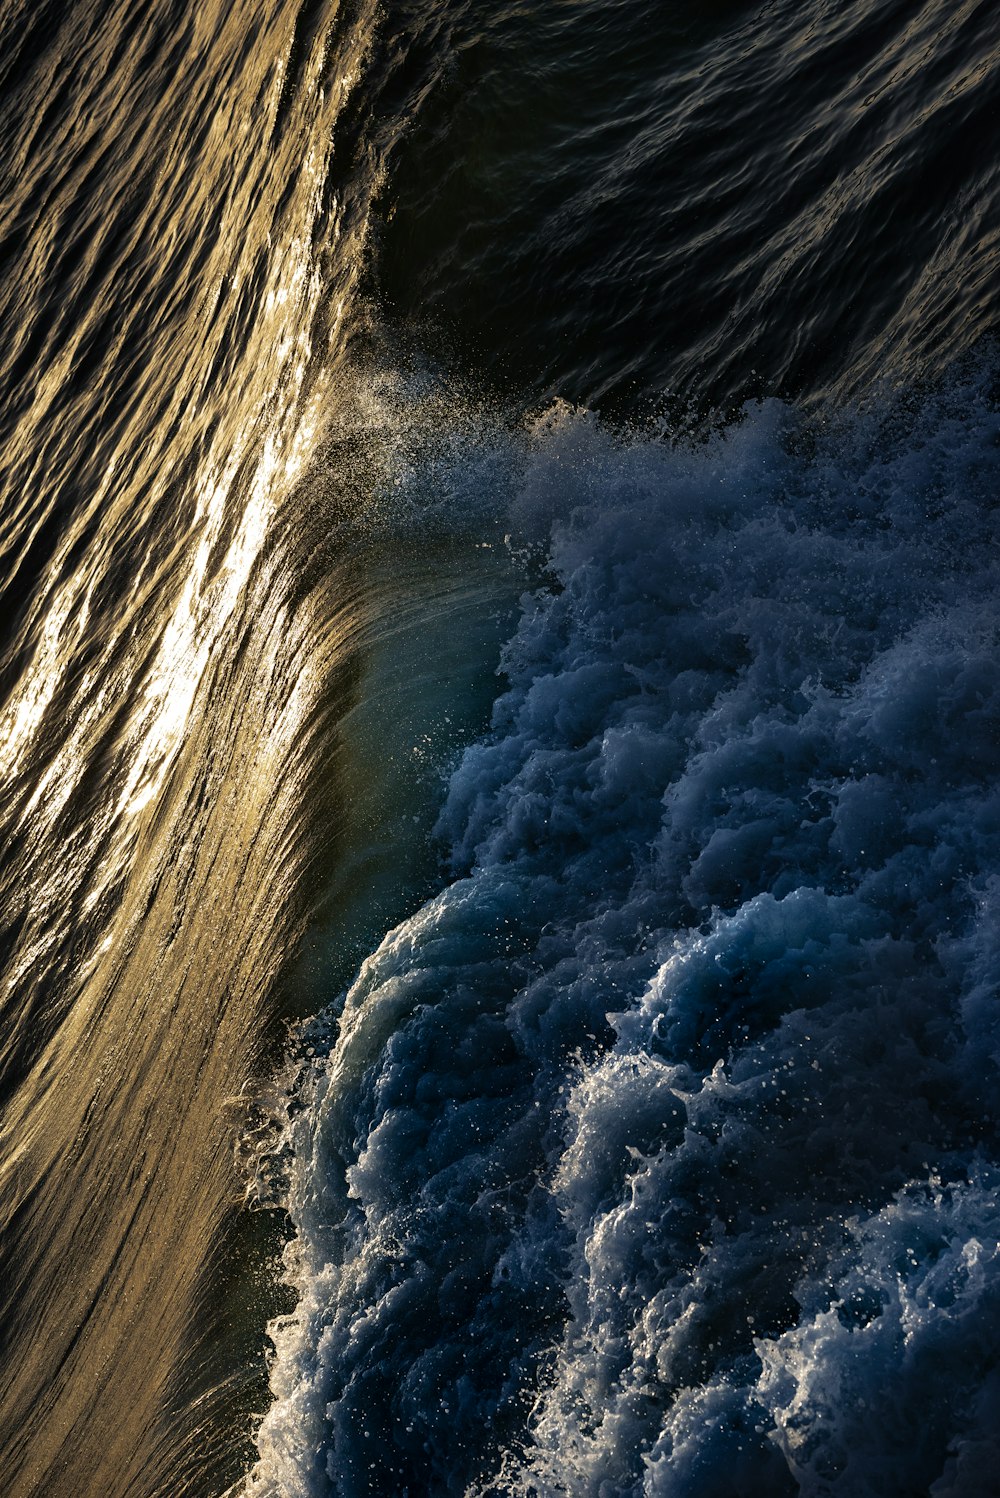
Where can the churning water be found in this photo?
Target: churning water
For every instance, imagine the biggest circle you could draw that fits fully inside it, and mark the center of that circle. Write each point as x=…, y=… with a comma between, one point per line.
x=500, y=568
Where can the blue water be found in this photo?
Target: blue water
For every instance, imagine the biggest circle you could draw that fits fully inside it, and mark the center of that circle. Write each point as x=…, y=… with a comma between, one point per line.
x=499, y=749
x=657, y=1154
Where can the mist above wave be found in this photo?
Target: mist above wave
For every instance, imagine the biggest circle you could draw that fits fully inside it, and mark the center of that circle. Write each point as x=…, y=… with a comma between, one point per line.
x=658, y=1152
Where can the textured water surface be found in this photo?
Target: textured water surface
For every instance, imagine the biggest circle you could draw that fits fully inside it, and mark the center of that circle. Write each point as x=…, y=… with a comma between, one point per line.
x=638, y=1130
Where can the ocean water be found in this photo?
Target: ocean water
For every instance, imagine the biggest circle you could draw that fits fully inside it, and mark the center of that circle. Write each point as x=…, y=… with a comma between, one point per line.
x=500, y=725
x=657, y=1152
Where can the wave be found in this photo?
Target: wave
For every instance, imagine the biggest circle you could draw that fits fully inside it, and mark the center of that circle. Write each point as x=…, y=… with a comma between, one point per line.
x=183, y=215
x=657, y=1153
x=231, y=679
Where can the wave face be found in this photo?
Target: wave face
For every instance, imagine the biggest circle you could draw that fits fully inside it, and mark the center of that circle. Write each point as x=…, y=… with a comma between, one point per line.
x=658, y=1153
x=174, y=177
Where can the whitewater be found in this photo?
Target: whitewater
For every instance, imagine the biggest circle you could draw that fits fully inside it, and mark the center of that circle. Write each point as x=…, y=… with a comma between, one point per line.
x=657, y=1153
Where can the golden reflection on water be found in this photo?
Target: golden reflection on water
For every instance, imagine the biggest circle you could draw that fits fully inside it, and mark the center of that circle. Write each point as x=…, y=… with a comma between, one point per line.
x=151, y=738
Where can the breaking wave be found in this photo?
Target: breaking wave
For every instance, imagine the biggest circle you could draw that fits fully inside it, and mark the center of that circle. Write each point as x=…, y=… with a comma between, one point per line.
x=658, y=1153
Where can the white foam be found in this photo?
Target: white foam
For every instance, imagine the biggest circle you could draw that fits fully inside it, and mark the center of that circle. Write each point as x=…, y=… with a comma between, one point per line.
x=654, y=1155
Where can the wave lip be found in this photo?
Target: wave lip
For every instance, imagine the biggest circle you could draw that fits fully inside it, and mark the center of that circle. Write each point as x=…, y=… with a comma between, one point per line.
x=657, y=1153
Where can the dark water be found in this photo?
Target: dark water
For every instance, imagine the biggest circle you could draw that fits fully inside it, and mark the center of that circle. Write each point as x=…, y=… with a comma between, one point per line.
x=349, y=354
x=623, y=202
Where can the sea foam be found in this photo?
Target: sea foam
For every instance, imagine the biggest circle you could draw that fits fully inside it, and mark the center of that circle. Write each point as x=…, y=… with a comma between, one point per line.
x=658, y=1153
